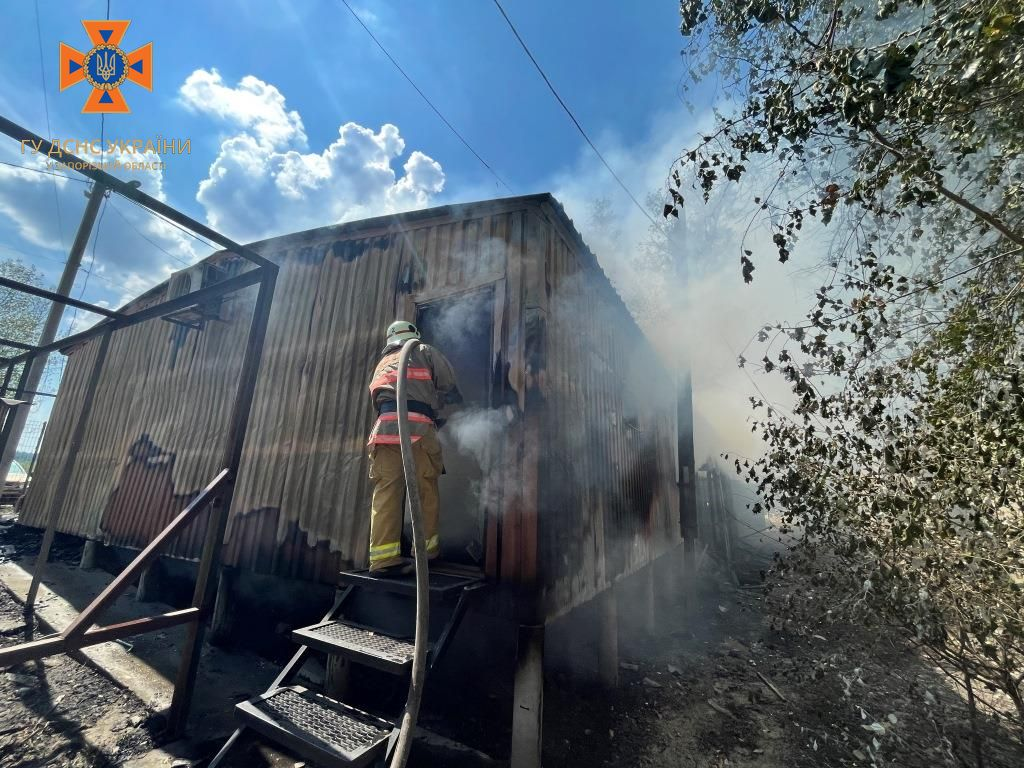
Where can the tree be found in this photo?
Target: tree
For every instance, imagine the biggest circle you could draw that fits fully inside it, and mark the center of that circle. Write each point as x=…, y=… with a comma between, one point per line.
x=900, y=459
x=21, y=315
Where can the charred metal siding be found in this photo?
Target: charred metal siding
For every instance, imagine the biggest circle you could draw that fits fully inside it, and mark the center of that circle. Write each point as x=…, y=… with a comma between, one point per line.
x=157, y=428
x=609, y=501
x=156, y=432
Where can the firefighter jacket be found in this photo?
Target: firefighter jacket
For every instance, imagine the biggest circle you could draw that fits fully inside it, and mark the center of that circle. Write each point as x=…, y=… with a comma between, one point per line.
x=430, y=385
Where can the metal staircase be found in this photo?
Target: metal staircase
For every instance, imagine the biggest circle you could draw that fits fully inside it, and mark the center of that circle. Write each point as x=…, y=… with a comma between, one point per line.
x=368, y=626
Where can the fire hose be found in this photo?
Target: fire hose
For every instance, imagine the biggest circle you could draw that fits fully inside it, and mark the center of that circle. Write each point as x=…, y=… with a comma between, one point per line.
x=419, y=548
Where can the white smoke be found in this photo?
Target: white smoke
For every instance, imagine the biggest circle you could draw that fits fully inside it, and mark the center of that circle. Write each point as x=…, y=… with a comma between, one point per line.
x=697, y=312
x=475, y=431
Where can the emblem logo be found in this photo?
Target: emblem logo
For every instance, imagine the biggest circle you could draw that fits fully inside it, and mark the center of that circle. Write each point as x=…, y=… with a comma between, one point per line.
x=106, y=67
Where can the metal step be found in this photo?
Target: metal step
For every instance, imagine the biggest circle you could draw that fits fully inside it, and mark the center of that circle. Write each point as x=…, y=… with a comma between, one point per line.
x=442, y=585
x=373, y=649
x=317, y=727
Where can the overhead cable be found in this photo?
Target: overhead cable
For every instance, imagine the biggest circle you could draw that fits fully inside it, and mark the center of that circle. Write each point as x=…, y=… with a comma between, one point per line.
x=572, y=117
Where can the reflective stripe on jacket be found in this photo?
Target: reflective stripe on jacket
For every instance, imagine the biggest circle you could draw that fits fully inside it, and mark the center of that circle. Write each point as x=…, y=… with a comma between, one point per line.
x=429, y=377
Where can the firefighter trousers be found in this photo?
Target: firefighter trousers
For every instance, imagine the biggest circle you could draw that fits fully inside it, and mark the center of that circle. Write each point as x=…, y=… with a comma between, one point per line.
x=386, y=513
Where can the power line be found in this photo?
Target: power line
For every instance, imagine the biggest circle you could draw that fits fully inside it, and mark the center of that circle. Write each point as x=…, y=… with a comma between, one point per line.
x=44, y=172
x=49, y=131
x=163, y=218
x=571, y=115
x=92, y=259
x=30, y=258
x=139, y=232
x=424, y=97
x=95, y=241
x=174, y=224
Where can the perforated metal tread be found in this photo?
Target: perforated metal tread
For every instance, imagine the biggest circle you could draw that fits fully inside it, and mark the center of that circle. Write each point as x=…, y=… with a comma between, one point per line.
x=443, y=585
x=317, y=727
x=363, y=645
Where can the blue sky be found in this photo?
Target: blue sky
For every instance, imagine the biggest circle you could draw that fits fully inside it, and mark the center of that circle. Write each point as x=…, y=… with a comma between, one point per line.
x=617, y=64
x=262, y=87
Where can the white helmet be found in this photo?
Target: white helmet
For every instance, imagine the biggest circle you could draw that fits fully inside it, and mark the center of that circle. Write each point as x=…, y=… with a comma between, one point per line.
x=401, y=331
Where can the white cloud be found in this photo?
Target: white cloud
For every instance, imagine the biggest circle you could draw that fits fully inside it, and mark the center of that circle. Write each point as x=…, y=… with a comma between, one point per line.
x=252, y=104
x=264, y=182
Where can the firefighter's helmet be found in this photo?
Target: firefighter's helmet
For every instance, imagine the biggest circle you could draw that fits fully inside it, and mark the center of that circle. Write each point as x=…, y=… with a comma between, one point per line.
x=401, y=331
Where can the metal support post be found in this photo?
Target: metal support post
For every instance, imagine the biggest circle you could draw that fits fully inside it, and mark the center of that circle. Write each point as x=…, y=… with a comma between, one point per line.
x=204, y=591
x=528, y=699
x=608, y=637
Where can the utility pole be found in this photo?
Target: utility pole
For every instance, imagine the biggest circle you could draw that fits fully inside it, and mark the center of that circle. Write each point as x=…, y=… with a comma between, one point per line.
x=38, y=364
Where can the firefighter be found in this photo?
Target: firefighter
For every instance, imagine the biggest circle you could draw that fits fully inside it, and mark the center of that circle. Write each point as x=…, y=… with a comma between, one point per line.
x=430, y=384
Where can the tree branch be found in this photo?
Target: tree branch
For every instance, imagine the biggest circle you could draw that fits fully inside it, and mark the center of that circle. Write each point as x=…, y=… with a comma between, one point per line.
x=949, y=194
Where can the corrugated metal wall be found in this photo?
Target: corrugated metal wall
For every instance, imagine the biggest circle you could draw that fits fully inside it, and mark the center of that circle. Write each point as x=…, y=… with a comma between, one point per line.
x=586, y=482
x=609, y=502
x=156, y=431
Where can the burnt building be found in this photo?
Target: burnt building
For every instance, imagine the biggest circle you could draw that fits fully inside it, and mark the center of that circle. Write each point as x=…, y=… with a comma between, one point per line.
x=563, y=466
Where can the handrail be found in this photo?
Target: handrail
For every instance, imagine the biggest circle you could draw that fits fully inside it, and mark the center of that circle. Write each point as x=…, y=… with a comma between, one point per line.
x=81, y=632
x=108, y=595
x=58, y=643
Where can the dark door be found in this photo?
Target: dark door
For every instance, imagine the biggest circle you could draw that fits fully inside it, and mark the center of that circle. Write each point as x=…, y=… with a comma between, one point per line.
x=460, y=327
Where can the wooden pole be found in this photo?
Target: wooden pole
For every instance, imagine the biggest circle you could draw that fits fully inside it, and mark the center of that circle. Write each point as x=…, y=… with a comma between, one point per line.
x=222, y=620
x=64, y=481
x=649, y=604
x=688, y=525
x=528, y=699
x=203, y=595
x=608, y=638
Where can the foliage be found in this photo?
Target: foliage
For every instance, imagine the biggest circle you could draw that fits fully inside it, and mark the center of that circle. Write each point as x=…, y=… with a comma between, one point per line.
x=21, y=315
x=900, y=461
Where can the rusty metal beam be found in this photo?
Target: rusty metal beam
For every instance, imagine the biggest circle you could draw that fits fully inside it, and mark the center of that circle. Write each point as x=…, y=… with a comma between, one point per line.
x=37, y=649
x=29, y=392
x=16, y=285
x=188, y=667
x=125, y=189
x=16, y=344
x=244, y=280
x=140, y=626
x=55, y=644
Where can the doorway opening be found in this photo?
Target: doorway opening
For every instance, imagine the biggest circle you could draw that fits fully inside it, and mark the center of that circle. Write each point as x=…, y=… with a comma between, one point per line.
x=461, y=327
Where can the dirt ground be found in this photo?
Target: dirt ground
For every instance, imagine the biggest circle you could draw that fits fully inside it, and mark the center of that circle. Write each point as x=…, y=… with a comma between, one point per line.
x=715, y=686
x=59, y=712
x=692, y=697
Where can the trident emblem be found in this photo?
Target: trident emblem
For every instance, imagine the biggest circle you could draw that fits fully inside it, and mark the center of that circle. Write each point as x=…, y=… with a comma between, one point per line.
x=106, y=66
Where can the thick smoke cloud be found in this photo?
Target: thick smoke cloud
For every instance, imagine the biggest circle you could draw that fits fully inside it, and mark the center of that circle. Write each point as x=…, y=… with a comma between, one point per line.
x=683, y=283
